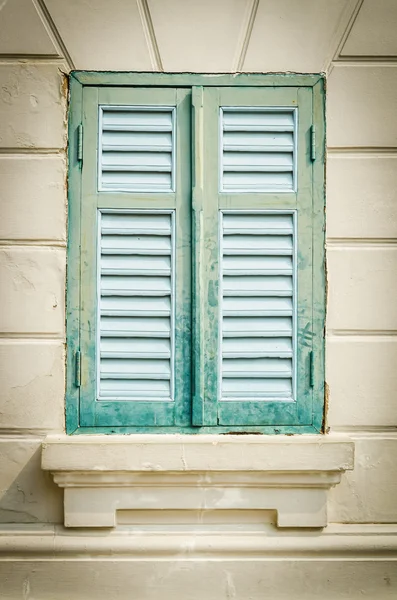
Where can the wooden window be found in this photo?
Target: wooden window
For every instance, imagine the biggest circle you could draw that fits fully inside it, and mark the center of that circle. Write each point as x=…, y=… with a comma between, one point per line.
x=196, y=254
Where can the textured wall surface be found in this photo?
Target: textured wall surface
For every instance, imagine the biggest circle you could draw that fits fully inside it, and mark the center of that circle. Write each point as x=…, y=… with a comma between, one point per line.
x=355, y=43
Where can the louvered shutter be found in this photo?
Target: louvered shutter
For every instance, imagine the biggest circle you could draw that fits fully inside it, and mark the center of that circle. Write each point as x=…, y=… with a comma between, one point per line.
x=256, y=263
x=257, y=306
x=135, y=269
x=257, y=150
x=136, y=149
x=136, y=306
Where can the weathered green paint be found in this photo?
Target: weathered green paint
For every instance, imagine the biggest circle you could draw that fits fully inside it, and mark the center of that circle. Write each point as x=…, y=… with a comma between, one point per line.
x=73, y=266
x=319, y=283
x=109, y=78
x=157, y=429
x=183, y=249
x=257, y=413
x=197, y=204
x=120, y=200
x=210, y=257
x=107, y=414
x=198, y=408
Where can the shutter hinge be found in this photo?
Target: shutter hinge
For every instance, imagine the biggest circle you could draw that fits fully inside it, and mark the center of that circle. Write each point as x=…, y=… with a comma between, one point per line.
x=313, y=142
x=78, y=368
x=311, y=368
x=80, y=142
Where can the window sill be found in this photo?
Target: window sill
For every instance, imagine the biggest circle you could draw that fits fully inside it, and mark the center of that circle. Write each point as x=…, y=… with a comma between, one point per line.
x=289, y=474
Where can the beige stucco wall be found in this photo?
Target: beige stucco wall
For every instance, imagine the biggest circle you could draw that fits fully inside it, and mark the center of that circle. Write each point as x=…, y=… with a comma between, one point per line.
x=355, y=42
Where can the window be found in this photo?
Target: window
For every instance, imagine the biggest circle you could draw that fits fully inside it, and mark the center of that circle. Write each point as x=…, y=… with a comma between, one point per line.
x=196, y=253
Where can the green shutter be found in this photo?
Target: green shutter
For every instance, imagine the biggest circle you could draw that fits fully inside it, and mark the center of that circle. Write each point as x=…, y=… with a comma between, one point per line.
x=196, y=284
x=135, y=258
x=257, y=270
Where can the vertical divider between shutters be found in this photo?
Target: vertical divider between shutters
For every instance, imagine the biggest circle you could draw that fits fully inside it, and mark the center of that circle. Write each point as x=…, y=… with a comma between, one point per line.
x=197, y=239
x=210, y=276
x=183, y=261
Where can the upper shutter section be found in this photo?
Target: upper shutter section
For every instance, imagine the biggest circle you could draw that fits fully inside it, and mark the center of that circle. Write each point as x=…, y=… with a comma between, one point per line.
x=136, y=306
x=137, y=149
x=258, y=150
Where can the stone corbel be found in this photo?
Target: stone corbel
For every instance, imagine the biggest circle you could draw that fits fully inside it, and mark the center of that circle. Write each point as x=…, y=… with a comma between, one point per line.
x=104, y=474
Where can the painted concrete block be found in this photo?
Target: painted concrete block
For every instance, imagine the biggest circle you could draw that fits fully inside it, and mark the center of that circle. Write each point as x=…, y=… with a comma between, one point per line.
x=27, y=494
x=198, y=36
x=362, y=286
x=368, y=493
x=32, y=290
x=362, y=379
x=374, y=31
x=102, y=35
x=293, y=36
x=362, y=196
x=32, y=384
x=362, y=106
x=32, y=106
x=33, y=198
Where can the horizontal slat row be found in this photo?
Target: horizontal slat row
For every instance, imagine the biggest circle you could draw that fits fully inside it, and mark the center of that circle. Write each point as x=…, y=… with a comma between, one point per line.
x=257, y=306
x=258, y=150
x=136, y=306
x=136, y=149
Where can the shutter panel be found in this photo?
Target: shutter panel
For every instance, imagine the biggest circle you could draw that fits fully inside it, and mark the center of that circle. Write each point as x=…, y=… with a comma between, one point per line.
x=134, y=275
x=258, y=306
x=137, y=149
x=258, y=150
x=256, y=261
x=136, y=306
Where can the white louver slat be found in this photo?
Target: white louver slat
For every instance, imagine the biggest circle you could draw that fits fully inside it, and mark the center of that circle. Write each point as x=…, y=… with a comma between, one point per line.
x=258, y=150
x=135, y=306
x=258, y=306
x=136, y=149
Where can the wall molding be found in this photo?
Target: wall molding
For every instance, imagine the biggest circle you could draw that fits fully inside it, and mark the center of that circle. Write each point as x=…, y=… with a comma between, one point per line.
x=150, y=35
x=245, y=35
x=346, y=23
x=53, y=32
x=54, y=542
x=364, y=61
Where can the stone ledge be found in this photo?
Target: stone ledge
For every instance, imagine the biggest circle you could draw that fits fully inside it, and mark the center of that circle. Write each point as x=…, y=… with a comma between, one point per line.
x=288, y=474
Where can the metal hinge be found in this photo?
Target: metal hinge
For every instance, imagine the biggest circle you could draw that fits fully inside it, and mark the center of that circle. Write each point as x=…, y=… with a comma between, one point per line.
x=78, y=368
x=80, y=142
x=313, y=142
x=311, y=368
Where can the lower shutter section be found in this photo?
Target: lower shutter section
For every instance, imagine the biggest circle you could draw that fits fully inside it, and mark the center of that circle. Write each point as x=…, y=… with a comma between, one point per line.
x=258, y=306
x=136, y=306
